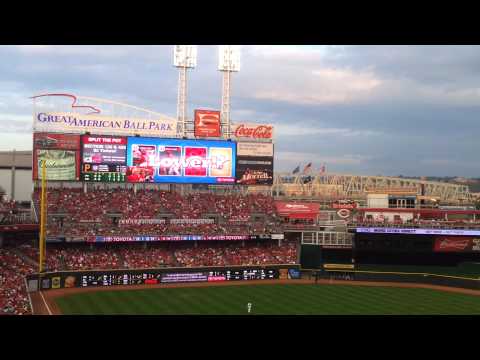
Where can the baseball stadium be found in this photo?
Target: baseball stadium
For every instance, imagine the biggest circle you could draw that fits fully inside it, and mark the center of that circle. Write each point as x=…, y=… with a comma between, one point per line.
x=120, y=210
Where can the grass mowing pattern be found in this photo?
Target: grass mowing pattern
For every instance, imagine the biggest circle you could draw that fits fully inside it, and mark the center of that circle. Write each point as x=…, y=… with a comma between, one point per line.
x=292, y=299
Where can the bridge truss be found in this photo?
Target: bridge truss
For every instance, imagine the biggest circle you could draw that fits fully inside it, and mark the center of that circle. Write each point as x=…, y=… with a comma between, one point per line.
x=337, y=186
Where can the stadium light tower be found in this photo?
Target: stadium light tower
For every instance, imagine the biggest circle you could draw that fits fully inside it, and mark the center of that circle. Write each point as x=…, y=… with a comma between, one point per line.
x=184, y=57
x=228, y=62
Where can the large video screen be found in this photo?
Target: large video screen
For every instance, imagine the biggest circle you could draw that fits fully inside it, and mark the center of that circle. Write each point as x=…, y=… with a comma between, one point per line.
x=159, y=160
x=104, y=158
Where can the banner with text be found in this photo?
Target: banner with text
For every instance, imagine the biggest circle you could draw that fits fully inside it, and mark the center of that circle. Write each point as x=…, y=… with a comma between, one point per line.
x=456, y=244
x=99, y=124
x=254, y=170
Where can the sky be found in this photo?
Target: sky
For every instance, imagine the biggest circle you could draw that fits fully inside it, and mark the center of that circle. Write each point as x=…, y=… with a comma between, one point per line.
x=367, y=110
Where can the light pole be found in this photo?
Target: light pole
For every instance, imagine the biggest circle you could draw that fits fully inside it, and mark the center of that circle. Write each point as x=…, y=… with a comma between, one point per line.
x=228, y=62
x=184, y=57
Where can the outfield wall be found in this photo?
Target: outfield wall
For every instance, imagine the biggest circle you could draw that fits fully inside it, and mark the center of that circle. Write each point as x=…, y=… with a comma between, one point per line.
x=400, y=277
x=75, y=279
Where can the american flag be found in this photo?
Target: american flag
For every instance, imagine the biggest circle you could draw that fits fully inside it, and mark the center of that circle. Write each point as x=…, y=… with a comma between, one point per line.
x=322, y=169
x=307, y=167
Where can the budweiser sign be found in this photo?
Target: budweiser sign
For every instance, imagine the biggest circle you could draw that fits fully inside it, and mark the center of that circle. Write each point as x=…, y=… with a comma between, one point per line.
x=253, y=131
x=454, y=244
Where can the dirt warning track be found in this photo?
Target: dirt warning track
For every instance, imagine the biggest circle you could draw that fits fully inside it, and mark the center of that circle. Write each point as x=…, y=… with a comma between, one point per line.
x=44, y=302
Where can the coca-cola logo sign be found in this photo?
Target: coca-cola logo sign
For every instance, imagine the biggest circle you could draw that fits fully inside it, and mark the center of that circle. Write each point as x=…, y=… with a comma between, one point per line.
x=253, y=131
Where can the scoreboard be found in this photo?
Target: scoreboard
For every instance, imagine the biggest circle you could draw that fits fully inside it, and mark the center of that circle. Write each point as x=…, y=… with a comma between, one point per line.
x=157, y=277
x=104, y=158
x=105, y=173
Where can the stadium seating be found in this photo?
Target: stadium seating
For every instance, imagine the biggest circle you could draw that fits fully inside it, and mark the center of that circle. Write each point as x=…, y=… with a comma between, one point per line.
x=74, y=213
x=123, y=256
x=13, y=295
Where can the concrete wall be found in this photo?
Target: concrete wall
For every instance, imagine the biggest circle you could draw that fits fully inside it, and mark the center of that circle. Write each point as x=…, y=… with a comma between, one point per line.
x=377, y=201
x=23, y=184
x=390, y=216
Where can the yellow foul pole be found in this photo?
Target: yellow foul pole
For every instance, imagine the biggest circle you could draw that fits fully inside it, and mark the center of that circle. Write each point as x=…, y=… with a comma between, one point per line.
x=43, y=217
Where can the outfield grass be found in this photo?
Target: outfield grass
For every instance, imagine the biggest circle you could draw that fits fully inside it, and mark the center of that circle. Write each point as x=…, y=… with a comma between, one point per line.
x=292, y=299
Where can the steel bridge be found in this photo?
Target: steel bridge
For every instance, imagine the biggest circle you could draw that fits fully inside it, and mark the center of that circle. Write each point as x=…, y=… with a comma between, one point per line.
x=337, y=186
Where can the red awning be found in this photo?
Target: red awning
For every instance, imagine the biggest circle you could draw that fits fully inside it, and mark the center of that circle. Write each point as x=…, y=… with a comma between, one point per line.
x=294, y=210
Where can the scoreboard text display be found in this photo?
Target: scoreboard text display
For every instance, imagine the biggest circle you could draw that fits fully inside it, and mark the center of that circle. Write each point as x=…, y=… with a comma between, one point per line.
x=165, y=277
x=156, y=160
x=75, y=279
x=104, y=158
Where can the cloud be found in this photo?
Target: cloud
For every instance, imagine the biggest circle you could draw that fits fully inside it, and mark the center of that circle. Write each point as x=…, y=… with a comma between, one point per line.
x=360, y=109
x=295, y=158
x=288, y=130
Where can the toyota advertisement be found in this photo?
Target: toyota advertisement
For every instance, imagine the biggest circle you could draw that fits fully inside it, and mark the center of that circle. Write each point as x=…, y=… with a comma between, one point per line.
x=156, y=160
x=207, y=123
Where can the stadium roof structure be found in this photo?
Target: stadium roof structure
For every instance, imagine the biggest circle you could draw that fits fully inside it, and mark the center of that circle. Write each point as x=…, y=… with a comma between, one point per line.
x=338, y=186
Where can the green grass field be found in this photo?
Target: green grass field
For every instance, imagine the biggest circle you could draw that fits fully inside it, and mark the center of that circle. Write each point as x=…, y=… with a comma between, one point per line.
x=292, y=299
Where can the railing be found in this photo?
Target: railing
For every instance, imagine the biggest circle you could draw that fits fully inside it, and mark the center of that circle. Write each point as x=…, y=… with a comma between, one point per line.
x=421, y=224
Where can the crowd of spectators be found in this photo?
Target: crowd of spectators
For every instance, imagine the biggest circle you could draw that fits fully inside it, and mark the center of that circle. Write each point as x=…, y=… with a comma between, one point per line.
x=11, y=212
x=61, y=257
x=75, y=213
x=13, y=294
x=16, y=263
x=252, y=253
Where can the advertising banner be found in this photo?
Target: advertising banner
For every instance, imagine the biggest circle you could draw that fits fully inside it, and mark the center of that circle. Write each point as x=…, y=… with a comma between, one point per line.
x=297, y=210
x=344, y=204
x=72, y=279
x=294, y=274
x=62, y=165
x=253, y=170
x=385, y=230
x=456, y=244
x=56, y=141
x=169, y=238
x=65, y=122
x=104, y=158
x=207, y=123
x=141, y=222
x=180, y=161
x=255, y=149
x=61, y=153
x=249, y=131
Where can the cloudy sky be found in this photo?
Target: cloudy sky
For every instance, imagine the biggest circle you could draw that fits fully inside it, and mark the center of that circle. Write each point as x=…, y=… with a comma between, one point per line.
x=390, y=110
